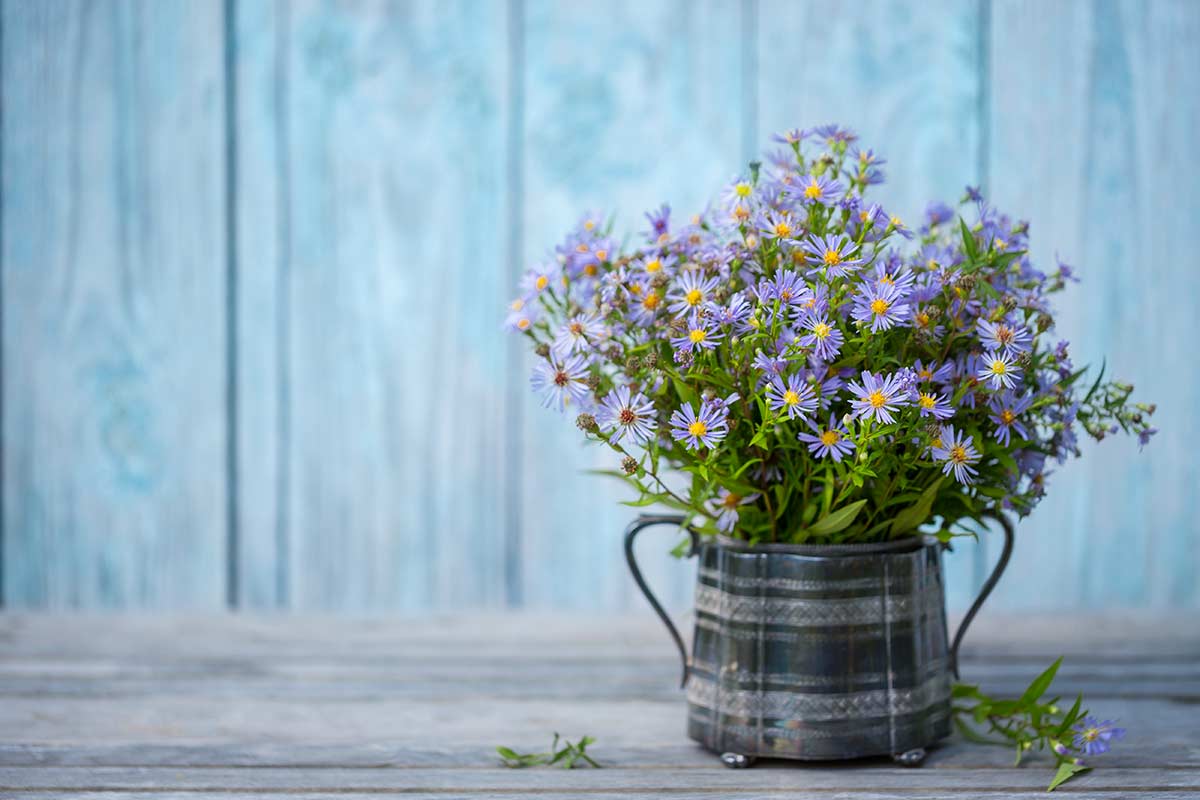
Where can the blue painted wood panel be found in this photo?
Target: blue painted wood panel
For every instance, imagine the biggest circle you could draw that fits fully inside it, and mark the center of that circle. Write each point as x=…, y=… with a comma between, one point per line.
x=255, y=253
x=113, y=260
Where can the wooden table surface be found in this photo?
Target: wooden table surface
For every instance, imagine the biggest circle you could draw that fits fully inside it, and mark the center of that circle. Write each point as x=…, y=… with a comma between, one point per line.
x=237, y=706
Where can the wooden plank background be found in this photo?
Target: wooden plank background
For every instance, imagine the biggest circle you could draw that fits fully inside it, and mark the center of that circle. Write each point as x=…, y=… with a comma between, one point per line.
x=254, y=255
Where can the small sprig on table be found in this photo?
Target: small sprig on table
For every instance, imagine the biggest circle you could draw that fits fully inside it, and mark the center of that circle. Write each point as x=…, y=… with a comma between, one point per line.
x=567, y=756
x=1027, y=723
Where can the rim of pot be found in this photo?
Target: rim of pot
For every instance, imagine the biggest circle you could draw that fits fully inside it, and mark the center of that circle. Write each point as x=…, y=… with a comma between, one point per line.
x=906, y=545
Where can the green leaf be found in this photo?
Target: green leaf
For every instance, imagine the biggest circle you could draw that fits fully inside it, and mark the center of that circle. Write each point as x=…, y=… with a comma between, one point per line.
x=1070, y=718
x=1066, y=771
x=642, y=503
x=1096, y=385
x=970, y=247
x=835, y=521
x=686, y=393
x=918, y=513
x=1040, y=684
x=972, y=735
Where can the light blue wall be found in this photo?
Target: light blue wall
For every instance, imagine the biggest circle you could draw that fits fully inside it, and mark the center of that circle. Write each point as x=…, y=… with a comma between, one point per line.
x=254, y=256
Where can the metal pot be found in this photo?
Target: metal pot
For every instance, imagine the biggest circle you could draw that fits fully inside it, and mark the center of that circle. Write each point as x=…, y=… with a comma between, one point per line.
x=817, y=652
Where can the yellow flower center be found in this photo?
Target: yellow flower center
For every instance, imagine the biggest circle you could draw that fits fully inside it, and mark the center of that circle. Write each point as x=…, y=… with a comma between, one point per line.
x=923, y=321
x=958, y=454
x=1004, y=334
x=517, y=304
x=886, y=280
x=931, y=264
x=731, y=500
x=1001, y=244
x=999, y=367
x=581, y=248
x=653, y=266
x=879, y=306
x=576, y=328
x=523, y=324
x=876, y=399
x=697, y=428
x=590, y=270
x=741, y=213
x=927, y=400
x=602, y=255
x=821, y=330
x=791, y=398
x=833, y=257
x=813, y=190
x=783, y=229
x=864, y=215
x=651, y=302
x=694, y=297
x=925, y=374
x=742, y=190
x=1007, y=416
x=627, y=417
x=541, y=282
x=698, y=335
x=830, y=438
x=635, y=289
x=896, y=221
x=1091, y=734
x=936, y=442
x=588, y=225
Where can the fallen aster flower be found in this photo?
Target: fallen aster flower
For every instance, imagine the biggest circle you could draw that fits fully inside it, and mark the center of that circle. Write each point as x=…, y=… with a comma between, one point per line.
x=1094, y=737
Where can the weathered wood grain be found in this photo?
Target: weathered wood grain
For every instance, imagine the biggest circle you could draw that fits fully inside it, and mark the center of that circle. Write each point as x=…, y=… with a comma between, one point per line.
x=113, y=267
x=322, y=707
x=372, y=241
x=1087, y=145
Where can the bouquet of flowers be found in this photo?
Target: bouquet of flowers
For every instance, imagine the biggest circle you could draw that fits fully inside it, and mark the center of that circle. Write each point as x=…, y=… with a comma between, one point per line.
x=816, y=370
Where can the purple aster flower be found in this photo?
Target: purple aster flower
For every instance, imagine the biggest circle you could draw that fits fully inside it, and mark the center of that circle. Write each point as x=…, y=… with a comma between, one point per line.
x=937, y=213
x=958, y=452
x=561, y=381
x=705, y=429
x=893, y=273
x=794, y=136
x=876, y=397
x=833, y=134
x=828, y=442
x=934, y=405
x=739, y=192
x=1094, y=737
x=795, y=397
x=932, y=372
x=1006, y=408
x=821, y=335
x=541, y=278
x=922, y=320
x=660, y=223
x=701, y=334
x=624, y=415
x=835, y=254
x=691, y=291
x=999, y=369
x=879, y=306
x=815, y=190
x=770, y=367
x=973, y=194
x=521, y=315
x=725, y=506
x=787, y=287
x=577, y=334
x=652, y=264
x=1005, y=337
x=779, y=224
x=645, y=308
x=1144, y=436
x=734, y=314
x=1065, y=270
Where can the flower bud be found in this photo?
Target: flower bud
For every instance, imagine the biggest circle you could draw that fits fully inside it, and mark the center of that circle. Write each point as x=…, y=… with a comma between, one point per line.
x=651, y=359
x=629, y=464
x=542, y=350
x=593, y=382
x=587, y=423
x=1044, y=323
x=1009, y=303
x=965, y=282
x=1059, y=748
x=633, y=364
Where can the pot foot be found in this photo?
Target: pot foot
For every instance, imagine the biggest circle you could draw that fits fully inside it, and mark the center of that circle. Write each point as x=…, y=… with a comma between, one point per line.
x=910, y=758
x=737, y=760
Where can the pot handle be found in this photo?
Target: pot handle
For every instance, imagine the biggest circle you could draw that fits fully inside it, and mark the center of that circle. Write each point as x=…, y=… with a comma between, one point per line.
x=632, y=531
x=987, y=588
